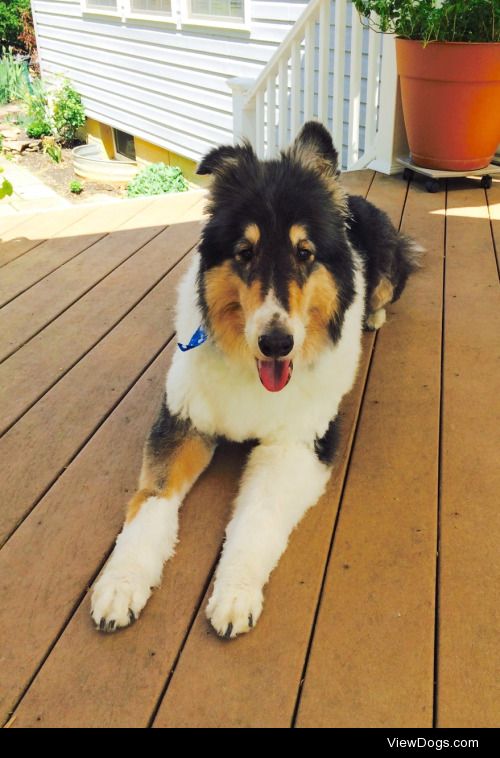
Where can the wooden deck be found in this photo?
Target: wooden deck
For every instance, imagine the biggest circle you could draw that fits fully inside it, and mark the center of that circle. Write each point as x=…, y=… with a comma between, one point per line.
x=384, y=611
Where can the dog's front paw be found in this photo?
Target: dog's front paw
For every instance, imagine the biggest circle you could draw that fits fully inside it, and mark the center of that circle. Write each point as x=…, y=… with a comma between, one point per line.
x=118, y=598
x=234, y=609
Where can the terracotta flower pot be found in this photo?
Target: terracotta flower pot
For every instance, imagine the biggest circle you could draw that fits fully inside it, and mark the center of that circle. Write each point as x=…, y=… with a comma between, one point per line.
x=451, y=102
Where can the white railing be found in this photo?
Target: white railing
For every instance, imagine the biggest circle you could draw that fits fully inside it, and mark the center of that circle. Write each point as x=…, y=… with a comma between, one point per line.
x=307, y=77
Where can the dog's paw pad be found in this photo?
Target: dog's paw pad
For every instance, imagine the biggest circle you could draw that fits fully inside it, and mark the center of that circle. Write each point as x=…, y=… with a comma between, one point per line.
x=233, y=611
x=117, y=599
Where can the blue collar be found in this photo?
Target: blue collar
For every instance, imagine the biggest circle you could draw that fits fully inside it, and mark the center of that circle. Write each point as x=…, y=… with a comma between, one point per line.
x=199, y=337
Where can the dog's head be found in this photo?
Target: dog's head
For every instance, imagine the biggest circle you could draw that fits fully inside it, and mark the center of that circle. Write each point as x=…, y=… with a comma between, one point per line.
x=277, y=270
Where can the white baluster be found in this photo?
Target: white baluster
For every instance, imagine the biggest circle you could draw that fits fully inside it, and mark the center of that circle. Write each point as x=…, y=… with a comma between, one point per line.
x=354, y=89
x=296, y=89
x=283, y=103
x=338, y=74
x=373, y=86
x=309, y=71
x=324, y=54
x=260, y=123
x=271, y=117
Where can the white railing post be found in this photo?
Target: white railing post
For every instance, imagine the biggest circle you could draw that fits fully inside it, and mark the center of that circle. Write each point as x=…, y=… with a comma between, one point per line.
x=244, y=116
x=270, y=110
x=390, y=140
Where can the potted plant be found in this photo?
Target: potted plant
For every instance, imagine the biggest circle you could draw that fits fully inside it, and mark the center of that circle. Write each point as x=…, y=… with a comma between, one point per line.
x=448, y=57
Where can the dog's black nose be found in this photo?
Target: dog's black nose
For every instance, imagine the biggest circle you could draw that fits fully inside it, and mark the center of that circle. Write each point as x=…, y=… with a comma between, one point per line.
x=276, y=344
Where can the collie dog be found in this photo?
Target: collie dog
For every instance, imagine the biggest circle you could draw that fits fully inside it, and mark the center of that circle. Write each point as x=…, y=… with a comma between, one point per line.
x=269, y=320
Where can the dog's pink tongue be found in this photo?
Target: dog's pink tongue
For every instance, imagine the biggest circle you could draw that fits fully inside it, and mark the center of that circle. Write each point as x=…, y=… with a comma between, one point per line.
x=274, y=375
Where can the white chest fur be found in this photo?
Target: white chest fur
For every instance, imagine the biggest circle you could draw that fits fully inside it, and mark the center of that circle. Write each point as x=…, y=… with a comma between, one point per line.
x=222, y=397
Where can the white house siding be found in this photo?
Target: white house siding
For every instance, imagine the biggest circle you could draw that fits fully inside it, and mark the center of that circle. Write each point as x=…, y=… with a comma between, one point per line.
x=164, y=85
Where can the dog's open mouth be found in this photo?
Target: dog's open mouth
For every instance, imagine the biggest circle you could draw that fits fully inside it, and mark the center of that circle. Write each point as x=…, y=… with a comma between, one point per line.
x=275, y=374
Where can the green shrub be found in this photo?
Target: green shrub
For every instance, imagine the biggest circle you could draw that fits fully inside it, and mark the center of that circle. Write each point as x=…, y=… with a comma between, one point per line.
x=13, y=77
x=11, y=24
x=52, y=149
x=157, y=179
x=434, y=20
x=76, y=187
x=38, y=118
x=37, y=129
x=5, y=187
x=69, y=113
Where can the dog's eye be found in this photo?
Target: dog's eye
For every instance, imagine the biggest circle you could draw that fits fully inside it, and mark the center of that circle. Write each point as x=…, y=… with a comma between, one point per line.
x=244, y=252
x=305, y=251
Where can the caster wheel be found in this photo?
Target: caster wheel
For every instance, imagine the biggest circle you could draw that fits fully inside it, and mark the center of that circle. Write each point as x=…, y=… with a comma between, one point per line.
x=432, y=185
x=486, y=181
x=408, y=174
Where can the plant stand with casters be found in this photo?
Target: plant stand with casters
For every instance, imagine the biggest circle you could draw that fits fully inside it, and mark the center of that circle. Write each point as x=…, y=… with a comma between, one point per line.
x=433, y=175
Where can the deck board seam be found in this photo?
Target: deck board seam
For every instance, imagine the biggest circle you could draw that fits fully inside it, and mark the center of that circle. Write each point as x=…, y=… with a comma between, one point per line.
x=85, y=292
x=496, y=252
x=435, y=684
x=98, y=341
x=191, y=623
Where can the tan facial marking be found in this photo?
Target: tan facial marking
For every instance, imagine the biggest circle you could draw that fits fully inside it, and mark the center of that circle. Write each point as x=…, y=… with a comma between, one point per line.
x=252, y=233
x=316, y=303
x=381, y=295
x=230, y=302
x=298, y=233
x=172, y=476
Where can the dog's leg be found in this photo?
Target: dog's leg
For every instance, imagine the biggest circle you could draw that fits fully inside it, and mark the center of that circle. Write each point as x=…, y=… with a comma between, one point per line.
x=174, y=456
x=381, y=296
x=280, y=483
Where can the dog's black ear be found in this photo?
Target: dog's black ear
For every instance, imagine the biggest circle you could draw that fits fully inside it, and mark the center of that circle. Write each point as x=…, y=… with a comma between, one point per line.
x=221, y=159
x=313, y=148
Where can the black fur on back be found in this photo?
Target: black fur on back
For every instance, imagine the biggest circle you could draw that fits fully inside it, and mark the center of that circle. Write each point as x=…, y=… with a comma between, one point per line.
x=385, y=251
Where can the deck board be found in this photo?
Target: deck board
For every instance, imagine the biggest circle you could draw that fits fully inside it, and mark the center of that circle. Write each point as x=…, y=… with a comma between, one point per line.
x=469, y=626
x=35, y=265
x=371, y=663
x=52, y=352
x=25, y=316
x=72, y=530
x=91, y=338
x=34, y=230
x=63, y=419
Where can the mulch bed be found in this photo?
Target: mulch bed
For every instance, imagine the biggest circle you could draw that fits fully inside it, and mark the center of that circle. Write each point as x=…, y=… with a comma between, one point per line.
x=59, y=175
x=56, y=175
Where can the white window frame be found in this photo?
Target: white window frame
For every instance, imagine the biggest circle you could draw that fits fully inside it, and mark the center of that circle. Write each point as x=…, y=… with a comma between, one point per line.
x=116, y=13
x=180, y=15
x=213, y=21
x=161, y=18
